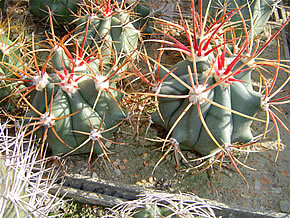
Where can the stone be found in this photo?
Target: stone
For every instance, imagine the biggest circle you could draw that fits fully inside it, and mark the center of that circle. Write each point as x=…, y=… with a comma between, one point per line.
x=285, y=206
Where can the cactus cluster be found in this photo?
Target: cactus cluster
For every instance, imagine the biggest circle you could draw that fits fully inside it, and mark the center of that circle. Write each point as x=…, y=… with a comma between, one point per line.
x=75, y=87
x=73, y=84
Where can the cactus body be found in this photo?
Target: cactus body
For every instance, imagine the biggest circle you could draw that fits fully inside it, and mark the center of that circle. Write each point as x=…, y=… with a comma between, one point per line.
x=75, y=105
x=81, y=101
x=115, y=34
x=225, y=126
x=61, y=9
x=222, y=115
x=142, y=20
x=259, y=13
x=8, y=178
x=163, y=205
x=25, y=181
x=10, y=56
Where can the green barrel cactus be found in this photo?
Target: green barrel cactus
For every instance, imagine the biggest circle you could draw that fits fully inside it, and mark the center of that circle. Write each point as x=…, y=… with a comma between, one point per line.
x=62, y=10
x=215, y=102
x=10, y=56
x=142, y=13
x=225, y=126
x=73, y=98
x=112, y=31
x=255, y=13
x=76, y=106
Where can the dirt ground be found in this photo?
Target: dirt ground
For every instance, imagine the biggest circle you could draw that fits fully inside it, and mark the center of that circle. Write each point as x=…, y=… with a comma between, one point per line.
x=268, y=186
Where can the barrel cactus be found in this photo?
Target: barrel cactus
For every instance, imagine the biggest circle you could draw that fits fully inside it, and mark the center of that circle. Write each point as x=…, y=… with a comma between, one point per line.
x=73, y=95
x=8, y=54
x=256, y=13
x=75, y=103
x=62, y=10
x=207, y=102
x=225, y=125
x=11, y=52
x=109, y=26
x=142, y=12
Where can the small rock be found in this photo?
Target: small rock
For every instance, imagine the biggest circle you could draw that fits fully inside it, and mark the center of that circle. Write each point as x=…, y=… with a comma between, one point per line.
x=285, y=206
x=277, y=190
x=117, y=171
x=122, y=167
x=265, y=180
x=125, y=161
x=151, y=179
x=145, y=163
x=116, y=163
x=257, y=185
x=94, y=175
x=245, y=196
x=254, y=202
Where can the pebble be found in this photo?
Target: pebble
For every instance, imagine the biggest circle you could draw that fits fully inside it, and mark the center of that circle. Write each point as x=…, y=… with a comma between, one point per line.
x=245, y=196
x=117, y=171
x=122, y=167
x=257, y=185
x=151, y=179
x=116, y=162
x=277, y=190
x=265, y=180
x=285, y=206
x=125, y=161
